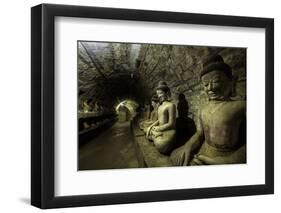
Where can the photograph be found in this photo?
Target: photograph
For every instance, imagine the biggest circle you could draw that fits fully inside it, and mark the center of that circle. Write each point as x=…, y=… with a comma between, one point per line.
x=143, y=105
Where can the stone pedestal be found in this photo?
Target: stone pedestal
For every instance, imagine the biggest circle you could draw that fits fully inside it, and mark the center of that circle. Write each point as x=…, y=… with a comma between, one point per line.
x=148, y=155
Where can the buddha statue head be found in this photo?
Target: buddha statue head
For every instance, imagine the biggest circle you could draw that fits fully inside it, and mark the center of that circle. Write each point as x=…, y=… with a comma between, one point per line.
x=216, y=77
x=154, y=101
x=163, y=91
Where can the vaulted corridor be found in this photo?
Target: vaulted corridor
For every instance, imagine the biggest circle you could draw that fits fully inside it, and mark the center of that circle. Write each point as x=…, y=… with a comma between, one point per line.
x=116, y=84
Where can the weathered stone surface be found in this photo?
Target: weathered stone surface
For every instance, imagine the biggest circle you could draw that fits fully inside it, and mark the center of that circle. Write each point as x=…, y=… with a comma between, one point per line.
x=147, y=154
x=107, y=73
x=151, y=155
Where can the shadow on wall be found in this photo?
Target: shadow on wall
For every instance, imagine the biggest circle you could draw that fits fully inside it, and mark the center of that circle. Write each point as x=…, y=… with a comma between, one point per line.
x=185, y=126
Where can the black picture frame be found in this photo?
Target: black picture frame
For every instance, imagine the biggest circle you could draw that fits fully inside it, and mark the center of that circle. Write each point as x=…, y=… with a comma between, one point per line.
x=43, y=102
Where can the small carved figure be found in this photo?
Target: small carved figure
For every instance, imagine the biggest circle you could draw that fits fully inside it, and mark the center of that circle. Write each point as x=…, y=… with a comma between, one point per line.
x=153, y=115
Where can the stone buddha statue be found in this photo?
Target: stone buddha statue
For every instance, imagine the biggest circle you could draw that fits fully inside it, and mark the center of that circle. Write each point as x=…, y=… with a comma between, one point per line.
x=217, y=140
x=162, y=132
x=153, y=115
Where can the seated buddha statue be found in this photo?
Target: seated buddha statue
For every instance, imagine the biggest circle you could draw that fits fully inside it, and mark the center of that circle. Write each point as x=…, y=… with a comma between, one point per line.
x=162, y=132
x=221, y=121
x=153, y=115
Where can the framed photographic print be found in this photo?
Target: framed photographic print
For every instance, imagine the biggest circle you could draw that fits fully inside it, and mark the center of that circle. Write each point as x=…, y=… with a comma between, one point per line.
x=139, y=106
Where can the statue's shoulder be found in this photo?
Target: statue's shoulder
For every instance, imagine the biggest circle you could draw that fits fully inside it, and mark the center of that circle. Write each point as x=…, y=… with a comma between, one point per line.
x=239, y=105
x=166, y=105
x=203, y=110
x=170, y=104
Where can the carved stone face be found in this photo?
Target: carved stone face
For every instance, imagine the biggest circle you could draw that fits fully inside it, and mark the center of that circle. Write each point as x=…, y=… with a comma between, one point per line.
x=161, y=95
x=154, y=104
x=217, y=85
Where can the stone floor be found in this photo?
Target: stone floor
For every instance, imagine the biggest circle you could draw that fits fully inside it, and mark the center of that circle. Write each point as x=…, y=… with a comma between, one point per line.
x=112, y=149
